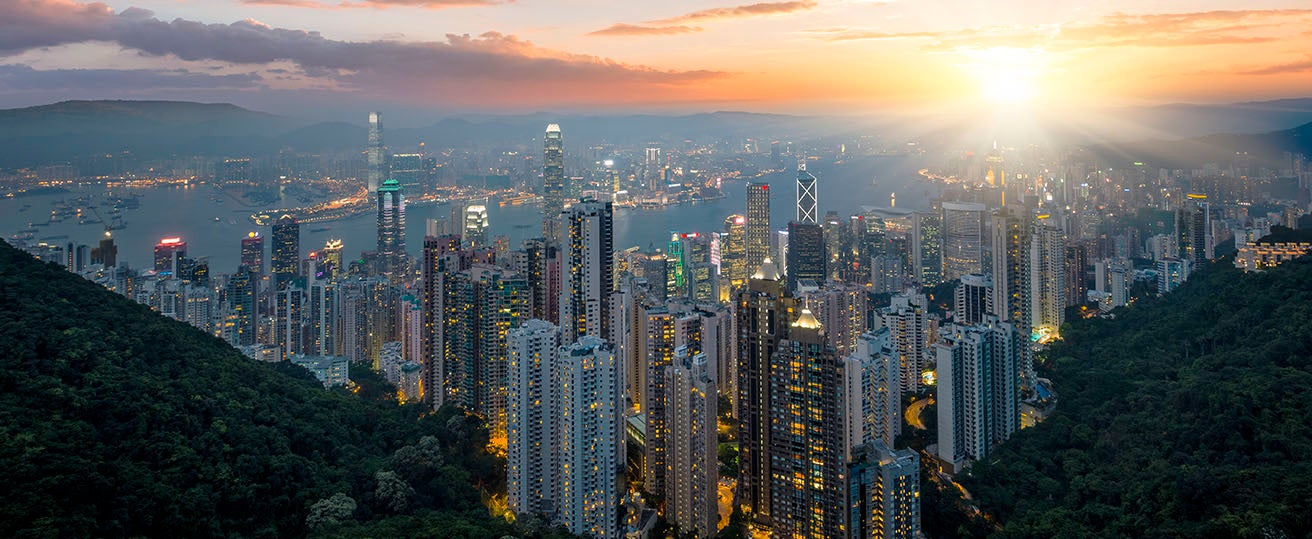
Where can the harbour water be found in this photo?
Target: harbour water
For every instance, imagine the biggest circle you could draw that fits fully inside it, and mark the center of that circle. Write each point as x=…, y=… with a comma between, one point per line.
x=213, y=230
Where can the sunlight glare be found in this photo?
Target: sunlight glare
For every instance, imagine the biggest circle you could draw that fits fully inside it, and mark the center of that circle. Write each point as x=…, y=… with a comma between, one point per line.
x=1006, y=75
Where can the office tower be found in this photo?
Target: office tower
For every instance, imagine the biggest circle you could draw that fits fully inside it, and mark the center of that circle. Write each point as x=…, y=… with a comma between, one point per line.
x=436, y=269
x=865, y=238
x=475, y=226
x=907, y=319
x=807, y=195
x=692, y=471
x=763, y=310
x=884, y=493
x=963, y=239
x=167, y=253
x=756, y=226
x=841, y=309
x=1011, y=244
x=532, y=406
x=733, y=250
x=587, y=263
x=972, y=299
x=698, y=264
x=996, y=175
x=590, y=438
x=330, y=258
x=927, y=247
x=553, y=184
x=1047, y=279
x=1193, y=230
x=872, y=396
x=1077, y=287
x=374, y=155
x=252, y=252
x=408, y=170
x=391, y=228
x=979, y=370
x=285, y=260
x=808, y=441
x=241, y=320
x=107, y=253
x=488, y=301
x=806, y=255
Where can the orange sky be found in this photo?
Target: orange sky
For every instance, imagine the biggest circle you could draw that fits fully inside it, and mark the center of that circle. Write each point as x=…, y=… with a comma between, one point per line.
x=789, y=56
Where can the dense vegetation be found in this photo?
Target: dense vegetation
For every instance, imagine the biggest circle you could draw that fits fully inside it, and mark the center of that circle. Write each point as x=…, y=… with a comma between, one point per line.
x=1186, y=416
x=118, y=422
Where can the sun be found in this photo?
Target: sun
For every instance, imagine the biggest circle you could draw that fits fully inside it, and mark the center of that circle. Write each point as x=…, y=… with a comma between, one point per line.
x=1006, y=75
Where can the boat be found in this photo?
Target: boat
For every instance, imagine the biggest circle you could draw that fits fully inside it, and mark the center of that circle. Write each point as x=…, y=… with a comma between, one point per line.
x=216, y=219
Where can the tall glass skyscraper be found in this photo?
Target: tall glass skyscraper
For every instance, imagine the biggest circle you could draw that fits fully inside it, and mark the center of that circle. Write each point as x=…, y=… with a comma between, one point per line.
x=374, y=153
x=391, y=227
x=553, y=183
x=807, y=196
x=286, y=259
x=756, y=229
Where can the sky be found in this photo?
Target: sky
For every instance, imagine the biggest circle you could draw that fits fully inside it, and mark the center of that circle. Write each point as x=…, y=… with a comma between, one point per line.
x=793, y=56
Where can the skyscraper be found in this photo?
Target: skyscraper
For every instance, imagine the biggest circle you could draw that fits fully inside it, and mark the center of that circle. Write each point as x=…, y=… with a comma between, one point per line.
x=907, y=319
x=884, y=493
x=286, y=256
x=488, y=302
x=692, y=472
x=807, y=196
x=927, y=246
x=475, y=227
x=1047, y=279
x=1011, y=242
x=978, y=388
x=1077, y=286
x=590, y=438
x=252, y=252
x=240, y=324
x=963, y=239
x=436, y=269
x=587, y=263
x=553, y=184
x=841, y=309
x=972, y=299
x=331, y=259
x=808, y=486
x=168, y=252
x=408, y=169
x=106, y=254
x=733, y=250
x=375, y=156
x=756, y=228
x=532, y=406
x=1193, y=230
x=806, y=254
x=391, y=228
x=872, y=396
x=763, y=310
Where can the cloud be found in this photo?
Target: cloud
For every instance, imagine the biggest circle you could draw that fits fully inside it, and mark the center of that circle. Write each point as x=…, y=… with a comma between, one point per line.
x=1115, y=30
x=622, y=29
x=24, y=78
x=376, y=4
x=486, y=64
x=680, y=24
x=1281, y=69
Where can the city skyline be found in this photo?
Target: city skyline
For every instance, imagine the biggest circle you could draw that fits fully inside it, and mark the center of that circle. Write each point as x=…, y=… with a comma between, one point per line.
x=485, y=55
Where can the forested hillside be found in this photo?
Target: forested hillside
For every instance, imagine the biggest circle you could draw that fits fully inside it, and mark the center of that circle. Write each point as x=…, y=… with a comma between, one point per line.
x=1186, y=416
x=118, y=422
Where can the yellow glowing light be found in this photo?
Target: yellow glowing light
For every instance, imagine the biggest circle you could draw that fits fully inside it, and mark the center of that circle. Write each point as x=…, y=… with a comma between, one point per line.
x=1006, y=75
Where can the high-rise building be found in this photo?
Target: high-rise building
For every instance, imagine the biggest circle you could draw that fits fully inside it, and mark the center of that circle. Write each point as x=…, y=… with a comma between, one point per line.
x=408, y=170
x=927, y=246
x=488, y=302
x=475, y=228
x=252, y=252
x=884, y=493
x=979, y=372
x=1077, y=286
x=763, y=309
x=107, y=253
x=807, y=196
x=168, y=252
x=808, y=441
x=1047, y=279
x=374, y=153
x=241, y=319
x=331, y=259
x=590, y=438
x=806, y=254
x=1011, y=274
x=587, y=263
x=391, y=228
x=907, y=319
x=872, y=394
x=285, y=261
x=437, y=269
x=1193, y=230
x=553, y=184
x=289, y=318
x=963, y=239
x=692, y=471
x=756, y=226
x=1171, y=273
x=841, y=309
x=532, y=418
x=972, y=299
x=701, y=272
x=733, y=250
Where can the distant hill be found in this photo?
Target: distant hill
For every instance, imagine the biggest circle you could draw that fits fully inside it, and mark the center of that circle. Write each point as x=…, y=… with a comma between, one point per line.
x=118, y=422
x=1265, y=149
x=1186, y=416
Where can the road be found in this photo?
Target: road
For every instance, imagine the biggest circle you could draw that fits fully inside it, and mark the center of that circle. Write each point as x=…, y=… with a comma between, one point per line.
x=725, y=501
x=913, y=412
